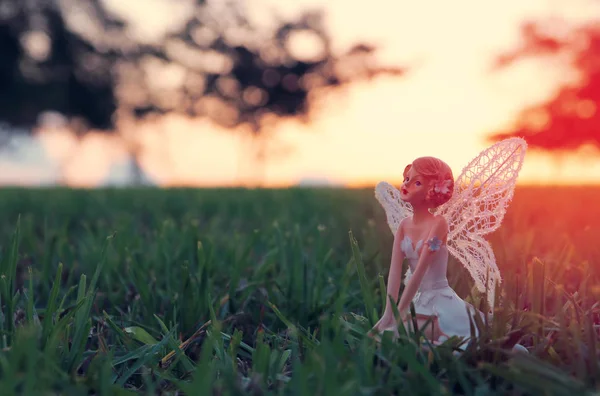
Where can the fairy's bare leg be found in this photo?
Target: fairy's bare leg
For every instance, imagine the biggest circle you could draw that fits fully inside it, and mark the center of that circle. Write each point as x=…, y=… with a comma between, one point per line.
x=432, y=331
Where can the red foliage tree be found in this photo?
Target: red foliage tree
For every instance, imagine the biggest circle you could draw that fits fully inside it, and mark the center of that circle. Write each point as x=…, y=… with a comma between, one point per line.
x=569, y=119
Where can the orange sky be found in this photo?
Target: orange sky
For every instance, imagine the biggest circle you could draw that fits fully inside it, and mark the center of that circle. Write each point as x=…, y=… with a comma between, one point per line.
x=445, y=106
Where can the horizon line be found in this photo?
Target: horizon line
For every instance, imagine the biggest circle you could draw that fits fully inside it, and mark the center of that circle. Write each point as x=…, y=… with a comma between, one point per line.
x=269, y=186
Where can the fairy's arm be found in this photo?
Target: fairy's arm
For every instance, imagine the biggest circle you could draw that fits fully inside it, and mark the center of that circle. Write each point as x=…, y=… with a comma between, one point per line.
x=439, y=233
x=393, y=285
x=395, y=274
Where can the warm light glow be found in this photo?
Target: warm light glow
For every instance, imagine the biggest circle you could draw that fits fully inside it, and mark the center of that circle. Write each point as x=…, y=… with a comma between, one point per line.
x=445, y=105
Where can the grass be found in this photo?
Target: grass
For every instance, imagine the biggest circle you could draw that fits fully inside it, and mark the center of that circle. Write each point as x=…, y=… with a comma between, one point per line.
x=116, y=292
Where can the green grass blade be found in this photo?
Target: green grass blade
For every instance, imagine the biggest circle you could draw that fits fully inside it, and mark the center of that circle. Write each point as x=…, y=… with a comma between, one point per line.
x=364, y=284
x=8, y=274
x=151, y=355
x=47, y=323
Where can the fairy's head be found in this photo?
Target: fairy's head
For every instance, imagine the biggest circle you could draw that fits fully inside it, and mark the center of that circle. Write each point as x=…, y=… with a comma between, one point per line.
x=428, y=180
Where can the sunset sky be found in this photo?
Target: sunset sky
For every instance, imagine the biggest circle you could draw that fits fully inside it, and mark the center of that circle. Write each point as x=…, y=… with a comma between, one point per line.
x=444, y=106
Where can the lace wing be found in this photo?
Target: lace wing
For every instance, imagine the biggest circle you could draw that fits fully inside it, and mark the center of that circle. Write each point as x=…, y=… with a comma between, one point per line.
x=476, y=254
x=395, y=208
x=481, y=196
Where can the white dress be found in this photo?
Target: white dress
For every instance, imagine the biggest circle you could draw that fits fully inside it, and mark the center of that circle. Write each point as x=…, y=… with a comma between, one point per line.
x=435, y=297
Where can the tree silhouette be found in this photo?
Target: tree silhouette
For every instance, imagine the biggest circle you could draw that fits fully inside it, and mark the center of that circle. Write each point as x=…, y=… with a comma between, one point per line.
x=79, y=58
x=570, y=119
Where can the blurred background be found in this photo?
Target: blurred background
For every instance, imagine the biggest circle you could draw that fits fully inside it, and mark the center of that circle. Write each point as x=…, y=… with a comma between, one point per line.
x=292, y=92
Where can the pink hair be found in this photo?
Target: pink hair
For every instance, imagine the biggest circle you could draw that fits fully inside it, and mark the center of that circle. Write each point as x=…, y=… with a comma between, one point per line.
x=435, y=171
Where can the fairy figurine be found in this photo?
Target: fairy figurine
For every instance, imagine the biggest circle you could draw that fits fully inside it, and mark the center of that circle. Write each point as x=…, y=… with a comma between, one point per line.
x=432, y=216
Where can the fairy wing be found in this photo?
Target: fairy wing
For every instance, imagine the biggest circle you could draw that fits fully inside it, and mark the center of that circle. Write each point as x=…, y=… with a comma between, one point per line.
x=395, y=208
x=481, y=196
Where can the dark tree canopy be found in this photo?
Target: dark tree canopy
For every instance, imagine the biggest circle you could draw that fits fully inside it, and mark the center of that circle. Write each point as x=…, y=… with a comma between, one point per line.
x=76, y=57
x=571, y=118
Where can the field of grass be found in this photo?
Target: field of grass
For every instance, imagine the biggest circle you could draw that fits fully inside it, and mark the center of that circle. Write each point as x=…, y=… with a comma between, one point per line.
x=226, y=292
